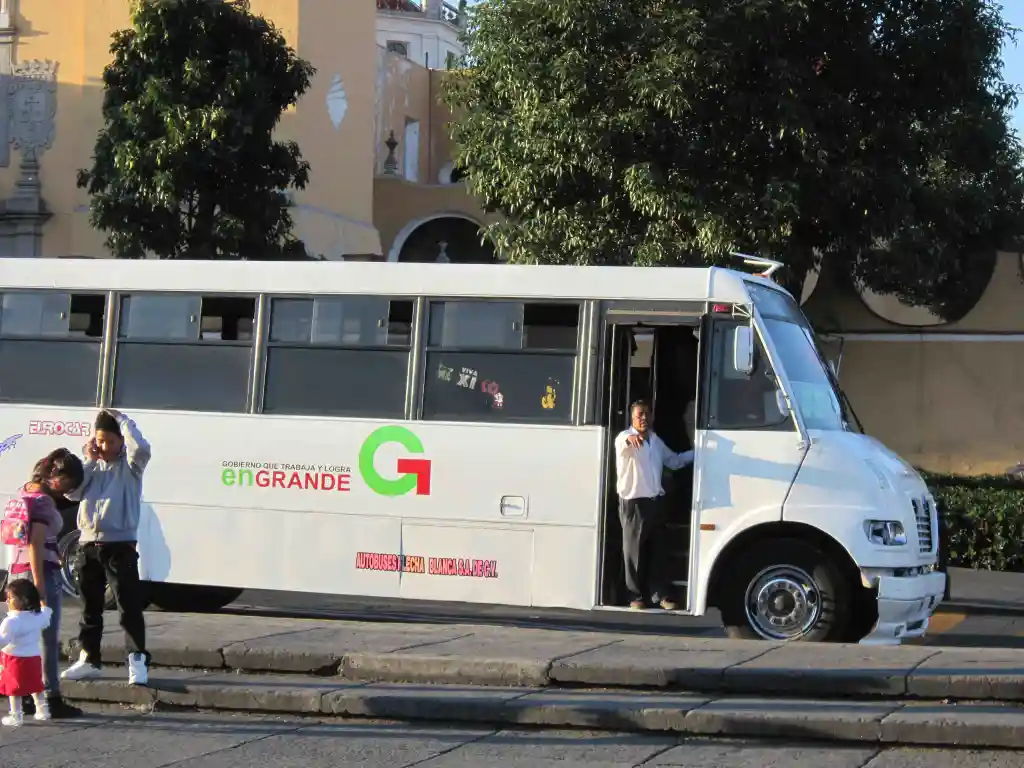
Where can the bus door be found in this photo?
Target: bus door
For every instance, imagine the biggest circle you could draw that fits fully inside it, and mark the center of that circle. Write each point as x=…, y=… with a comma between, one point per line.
x=749, y=447
x=650, y=353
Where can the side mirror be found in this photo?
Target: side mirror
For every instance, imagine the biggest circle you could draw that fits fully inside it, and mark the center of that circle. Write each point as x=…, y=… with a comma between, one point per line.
x=743, y=350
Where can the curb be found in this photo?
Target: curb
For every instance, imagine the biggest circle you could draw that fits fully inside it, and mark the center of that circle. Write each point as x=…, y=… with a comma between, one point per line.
x=968, y=679
x=883, y=723
x=979, y=608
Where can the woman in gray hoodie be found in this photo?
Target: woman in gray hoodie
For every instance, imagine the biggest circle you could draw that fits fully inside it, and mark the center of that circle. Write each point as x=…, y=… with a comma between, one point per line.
x=110, y=501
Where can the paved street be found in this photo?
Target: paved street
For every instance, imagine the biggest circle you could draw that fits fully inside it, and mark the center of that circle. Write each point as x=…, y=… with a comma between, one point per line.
x=122, y=739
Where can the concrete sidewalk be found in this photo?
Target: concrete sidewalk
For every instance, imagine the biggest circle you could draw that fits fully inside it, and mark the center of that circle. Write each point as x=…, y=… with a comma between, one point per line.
x=876, y=722
x=464, y=654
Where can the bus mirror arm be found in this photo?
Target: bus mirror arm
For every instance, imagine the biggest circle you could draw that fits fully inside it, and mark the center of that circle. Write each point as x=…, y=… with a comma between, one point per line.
x=782, y=402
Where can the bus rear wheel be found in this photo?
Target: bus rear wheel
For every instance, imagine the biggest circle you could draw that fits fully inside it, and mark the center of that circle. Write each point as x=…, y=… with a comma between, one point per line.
x=67, y=549
x=785, y=590
x=191, y=598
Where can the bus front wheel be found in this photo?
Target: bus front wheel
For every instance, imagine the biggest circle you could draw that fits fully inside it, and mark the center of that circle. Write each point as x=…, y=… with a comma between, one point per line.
x=785, y=590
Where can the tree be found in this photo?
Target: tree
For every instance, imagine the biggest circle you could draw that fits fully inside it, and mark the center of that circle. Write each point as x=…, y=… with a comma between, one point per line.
x=186, y=165
x=869, y=133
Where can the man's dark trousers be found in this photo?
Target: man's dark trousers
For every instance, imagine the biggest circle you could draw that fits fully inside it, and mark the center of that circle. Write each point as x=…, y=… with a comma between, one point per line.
x=644, y=547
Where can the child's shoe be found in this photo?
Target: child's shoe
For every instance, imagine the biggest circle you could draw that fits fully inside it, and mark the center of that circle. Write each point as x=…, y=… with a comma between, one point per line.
x=42, y=707
x=13, y=720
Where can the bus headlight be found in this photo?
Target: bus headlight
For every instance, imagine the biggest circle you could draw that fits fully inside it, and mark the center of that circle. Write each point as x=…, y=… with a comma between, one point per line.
x=887, y=533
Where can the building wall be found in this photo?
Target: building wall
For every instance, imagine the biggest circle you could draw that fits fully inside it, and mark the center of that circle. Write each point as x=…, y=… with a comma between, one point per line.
x=408, y=93
x=334, y=215
x=428, y=41
x=947, y=396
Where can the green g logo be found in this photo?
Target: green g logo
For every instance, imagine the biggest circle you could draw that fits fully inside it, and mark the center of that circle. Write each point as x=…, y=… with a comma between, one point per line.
x=413, y=474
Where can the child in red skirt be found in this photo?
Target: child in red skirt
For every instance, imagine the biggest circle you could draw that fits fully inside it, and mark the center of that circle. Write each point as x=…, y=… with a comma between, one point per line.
x=21, y=634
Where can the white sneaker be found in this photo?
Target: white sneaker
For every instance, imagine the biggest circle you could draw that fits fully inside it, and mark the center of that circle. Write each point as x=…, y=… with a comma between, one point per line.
x=81, y=670
x=138, y=671
x=13, y=720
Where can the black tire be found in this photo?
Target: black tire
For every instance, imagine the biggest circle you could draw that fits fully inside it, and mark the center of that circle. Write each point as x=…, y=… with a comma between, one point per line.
x=863, y=615
x=66, y=549
x=190, y=598
x=811, y=600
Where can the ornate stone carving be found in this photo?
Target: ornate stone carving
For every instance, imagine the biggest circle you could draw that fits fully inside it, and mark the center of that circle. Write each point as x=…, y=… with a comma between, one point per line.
x=33, y=103
x=8, y=36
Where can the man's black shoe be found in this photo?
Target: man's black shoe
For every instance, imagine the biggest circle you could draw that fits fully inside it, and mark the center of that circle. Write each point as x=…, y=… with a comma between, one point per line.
x=60, y=709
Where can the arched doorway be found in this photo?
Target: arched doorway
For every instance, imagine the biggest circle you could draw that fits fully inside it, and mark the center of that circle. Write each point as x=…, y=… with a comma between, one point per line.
x=443, y=238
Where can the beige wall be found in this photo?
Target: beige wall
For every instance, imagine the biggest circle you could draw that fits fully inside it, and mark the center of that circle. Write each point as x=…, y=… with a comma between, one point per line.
x=944, y=406
x=952, y=403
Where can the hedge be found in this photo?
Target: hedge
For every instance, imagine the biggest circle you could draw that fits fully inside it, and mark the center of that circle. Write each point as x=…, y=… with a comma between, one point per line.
x=983, y=520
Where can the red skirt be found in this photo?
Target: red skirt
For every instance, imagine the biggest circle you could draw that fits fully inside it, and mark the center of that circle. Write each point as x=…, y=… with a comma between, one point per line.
x=21, y=676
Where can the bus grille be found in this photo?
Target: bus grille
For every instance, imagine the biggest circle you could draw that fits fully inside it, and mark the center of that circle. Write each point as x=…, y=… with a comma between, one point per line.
x=923, y=517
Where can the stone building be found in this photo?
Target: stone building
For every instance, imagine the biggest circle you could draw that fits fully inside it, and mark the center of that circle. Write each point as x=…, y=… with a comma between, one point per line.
x=364, y=200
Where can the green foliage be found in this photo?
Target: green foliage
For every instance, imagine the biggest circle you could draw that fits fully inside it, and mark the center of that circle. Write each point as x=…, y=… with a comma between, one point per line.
x=186, y=165
x=984, y=518
x=869, y=133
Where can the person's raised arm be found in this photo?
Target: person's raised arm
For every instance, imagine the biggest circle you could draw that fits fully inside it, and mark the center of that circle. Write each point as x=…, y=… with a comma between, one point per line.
x=136, y=446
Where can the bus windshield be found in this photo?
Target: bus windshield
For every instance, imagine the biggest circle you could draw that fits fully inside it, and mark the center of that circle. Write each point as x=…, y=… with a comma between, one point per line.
x=817, y=398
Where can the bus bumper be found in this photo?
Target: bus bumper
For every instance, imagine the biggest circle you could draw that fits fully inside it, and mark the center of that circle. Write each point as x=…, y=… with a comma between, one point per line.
x=905, y=606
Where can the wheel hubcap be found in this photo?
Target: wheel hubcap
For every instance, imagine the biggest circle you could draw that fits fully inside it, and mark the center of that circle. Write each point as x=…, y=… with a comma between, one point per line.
x=67, y=569
x=783, y=603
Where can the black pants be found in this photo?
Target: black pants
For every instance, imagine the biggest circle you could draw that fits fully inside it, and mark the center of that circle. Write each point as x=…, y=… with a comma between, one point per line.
x=644, y=547
x=118, y=564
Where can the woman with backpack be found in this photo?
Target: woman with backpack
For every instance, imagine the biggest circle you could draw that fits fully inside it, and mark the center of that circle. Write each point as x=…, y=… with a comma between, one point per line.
x=31, y=526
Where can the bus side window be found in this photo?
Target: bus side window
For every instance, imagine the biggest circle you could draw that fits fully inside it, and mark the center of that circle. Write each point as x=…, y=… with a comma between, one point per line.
x=338, y=356
x=500, y=361
x=50, y=347
x=184, y=352
x=736, y=400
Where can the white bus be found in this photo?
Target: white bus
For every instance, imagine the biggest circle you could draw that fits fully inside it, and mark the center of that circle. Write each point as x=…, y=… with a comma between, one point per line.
x=443, y=432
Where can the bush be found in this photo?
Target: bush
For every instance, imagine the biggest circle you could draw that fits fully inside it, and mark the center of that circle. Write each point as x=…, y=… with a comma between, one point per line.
x=983, y=518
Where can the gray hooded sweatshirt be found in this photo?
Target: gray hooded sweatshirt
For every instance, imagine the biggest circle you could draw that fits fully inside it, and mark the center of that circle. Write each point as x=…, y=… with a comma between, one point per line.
x=111, y=496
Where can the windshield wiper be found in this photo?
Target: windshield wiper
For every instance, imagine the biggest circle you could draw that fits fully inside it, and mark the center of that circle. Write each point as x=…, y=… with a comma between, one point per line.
x=844, y=400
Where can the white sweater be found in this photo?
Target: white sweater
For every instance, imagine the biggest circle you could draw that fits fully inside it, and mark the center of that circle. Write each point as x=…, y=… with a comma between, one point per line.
x=22, y=631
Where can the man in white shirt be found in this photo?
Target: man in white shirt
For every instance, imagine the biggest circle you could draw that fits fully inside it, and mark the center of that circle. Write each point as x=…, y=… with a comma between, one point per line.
x=640, y=457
